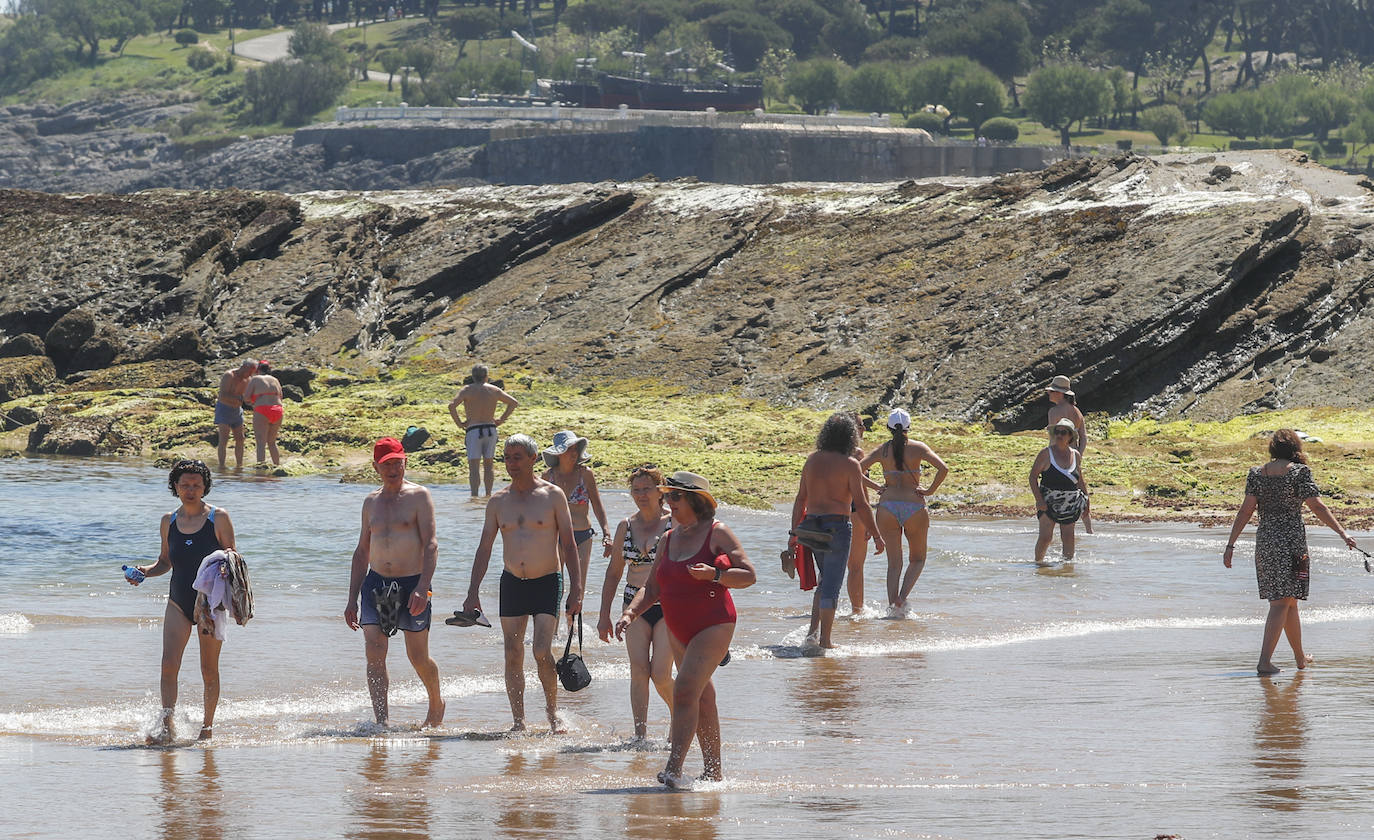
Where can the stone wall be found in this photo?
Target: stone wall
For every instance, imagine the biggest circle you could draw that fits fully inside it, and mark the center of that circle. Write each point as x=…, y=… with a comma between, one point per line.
x=734, y=155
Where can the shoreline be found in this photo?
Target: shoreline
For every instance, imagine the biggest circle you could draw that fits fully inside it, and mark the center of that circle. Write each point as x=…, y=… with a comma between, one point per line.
x=1140, y=470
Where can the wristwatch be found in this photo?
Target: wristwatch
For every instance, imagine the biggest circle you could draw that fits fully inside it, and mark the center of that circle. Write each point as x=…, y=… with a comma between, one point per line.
x=718, y=571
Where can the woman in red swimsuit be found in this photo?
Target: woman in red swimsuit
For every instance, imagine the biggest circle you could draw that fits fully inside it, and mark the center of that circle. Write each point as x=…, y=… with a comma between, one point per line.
x=698, y=562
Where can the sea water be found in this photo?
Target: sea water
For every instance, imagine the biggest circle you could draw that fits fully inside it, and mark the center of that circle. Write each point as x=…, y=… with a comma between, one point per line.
x=1113, y=698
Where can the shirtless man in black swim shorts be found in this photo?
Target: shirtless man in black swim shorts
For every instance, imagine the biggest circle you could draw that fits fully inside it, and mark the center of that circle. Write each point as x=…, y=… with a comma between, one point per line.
x=536, y=534
x=397, y=545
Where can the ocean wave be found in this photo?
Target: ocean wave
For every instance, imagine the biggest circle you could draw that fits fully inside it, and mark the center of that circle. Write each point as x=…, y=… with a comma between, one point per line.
x=14, y=624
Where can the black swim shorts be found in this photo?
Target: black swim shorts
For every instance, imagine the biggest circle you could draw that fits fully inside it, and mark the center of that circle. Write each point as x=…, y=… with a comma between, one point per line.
x=530, y=596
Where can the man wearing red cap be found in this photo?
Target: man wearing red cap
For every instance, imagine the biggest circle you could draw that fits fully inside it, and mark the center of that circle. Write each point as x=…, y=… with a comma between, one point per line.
x=393, y=567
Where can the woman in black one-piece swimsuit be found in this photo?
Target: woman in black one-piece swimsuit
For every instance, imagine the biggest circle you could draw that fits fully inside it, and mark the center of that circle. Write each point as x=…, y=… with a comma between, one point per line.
x=189, y=533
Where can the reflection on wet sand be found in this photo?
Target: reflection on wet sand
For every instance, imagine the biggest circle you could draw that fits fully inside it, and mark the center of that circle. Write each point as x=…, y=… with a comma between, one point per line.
x=683, y=816
x=1280, y=744
x=391, y=803
x=535, y=815
x=191, y=801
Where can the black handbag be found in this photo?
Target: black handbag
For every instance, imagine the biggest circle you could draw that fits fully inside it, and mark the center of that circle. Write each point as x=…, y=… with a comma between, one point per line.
x=572, y=671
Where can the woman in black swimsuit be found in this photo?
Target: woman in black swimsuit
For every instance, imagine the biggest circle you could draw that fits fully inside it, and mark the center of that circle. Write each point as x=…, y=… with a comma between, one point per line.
x=189, y=533
x=633, y=552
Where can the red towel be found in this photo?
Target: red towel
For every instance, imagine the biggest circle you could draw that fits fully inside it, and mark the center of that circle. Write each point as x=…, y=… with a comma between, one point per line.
x=806, y=567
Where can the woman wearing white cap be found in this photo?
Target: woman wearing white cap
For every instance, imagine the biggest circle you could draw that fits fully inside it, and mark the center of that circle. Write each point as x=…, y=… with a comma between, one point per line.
x=567, y=462
x=902, y=503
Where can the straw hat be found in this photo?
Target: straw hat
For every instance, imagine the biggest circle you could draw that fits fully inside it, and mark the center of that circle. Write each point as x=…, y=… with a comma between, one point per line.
x=1060, y=384
x=683, y=480
x=562, y=442
x=899, y=419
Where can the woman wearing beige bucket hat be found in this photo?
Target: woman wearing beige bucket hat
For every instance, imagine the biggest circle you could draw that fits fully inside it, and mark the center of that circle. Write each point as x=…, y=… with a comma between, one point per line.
x=1061, y=494
x=1064, y=406
x=699, y=561
x=567, y=462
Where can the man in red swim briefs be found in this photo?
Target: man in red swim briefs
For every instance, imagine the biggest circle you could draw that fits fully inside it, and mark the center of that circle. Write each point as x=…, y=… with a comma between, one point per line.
x=536, y=534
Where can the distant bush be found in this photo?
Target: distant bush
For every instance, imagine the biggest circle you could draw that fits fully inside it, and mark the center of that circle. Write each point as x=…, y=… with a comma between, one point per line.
x=187, y=37
x=1262, y=143
x=196, y=122
x=201, y=60
x=1165, y=122
x=228, y=66
x=1334, y=146
x=1246, y=145
x=1125, y=144
x=292, y=91
x=1000, y=128
x=928, y=121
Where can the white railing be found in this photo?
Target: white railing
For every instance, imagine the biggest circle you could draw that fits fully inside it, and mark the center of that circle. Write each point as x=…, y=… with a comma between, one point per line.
x=579, y=116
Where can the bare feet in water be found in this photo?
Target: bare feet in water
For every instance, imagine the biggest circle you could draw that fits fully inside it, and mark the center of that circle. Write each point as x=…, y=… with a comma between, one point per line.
x=435, y=716
x=1267, y=668
x=674, y=781
x=1304, y=661
x=206, y=732
x=556, y=726
x=518, y=726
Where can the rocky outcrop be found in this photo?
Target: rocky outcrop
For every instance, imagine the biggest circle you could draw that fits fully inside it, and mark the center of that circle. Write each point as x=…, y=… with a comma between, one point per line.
x=178, y=373
x=56, y=433
x=24, y=375
x=1156, y=284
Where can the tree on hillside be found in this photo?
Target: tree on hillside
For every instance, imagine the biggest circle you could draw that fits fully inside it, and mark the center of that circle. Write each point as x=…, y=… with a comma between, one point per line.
x=1326, y=107
x=976, y=95
x=996, y=36
x=86, y=22
x=1165, y=122
x=802, y=19
x=30, y=49
x=1059, y=95
x=745, y=36
x=930, y=82
x=314, y=42
x=391, y=61
x=850, y=29
x=775, y=67
x=874, y=88
x=816, y=83
x=473, y=23
x=1122, y=33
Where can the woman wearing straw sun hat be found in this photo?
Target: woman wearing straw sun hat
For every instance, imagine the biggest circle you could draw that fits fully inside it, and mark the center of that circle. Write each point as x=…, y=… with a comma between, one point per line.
x=1064, y=406
x=699, y=561
x=567, y=462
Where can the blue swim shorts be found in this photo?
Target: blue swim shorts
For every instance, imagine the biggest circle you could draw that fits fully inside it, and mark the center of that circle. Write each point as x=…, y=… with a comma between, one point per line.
x=228, y=415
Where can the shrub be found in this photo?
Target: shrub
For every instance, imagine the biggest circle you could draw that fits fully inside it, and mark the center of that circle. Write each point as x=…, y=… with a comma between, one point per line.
x=1000, y=128
x=187, y=37
x=1125, y=144
x=201, y=59
x=292, y=91
x=228, y=66
x=928, y=121
x=1165, y=122
x=1334, y=146
x=1245, y=145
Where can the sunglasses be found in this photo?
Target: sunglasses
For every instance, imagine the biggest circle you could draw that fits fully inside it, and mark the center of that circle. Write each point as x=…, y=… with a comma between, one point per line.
x=674, y=495
x=1065, y=432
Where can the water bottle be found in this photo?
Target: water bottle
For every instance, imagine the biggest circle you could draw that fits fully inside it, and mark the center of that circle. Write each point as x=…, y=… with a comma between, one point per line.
x=132, y=573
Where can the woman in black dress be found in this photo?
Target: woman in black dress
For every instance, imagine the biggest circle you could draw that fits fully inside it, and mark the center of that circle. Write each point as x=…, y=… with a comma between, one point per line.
x=1279, y=489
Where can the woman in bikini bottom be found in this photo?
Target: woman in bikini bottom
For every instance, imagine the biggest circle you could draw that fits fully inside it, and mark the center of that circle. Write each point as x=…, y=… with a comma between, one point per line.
x=902, y=510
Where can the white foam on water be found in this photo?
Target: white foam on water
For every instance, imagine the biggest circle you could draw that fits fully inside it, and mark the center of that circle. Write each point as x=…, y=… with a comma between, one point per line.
x=793, y=644
x=14, y=624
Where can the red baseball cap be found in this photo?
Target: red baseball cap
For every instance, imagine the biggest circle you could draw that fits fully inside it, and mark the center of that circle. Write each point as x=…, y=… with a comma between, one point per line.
x=386, y=449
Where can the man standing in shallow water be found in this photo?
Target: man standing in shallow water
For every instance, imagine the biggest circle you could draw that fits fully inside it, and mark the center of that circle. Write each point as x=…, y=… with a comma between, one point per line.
x=479, y=399
x=397, y=546
x=831, y=489
x=229, y=410
x=536, y=532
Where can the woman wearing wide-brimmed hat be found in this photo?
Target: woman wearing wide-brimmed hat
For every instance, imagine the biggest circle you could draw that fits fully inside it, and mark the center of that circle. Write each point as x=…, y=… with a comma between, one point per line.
x=902, y=510
x=1064, y=406
x=567, y=462
x=699, y=561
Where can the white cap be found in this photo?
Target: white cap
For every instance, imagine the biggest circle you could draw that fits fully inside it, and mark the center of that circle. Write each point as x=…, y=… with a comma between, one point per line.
x=899, y=419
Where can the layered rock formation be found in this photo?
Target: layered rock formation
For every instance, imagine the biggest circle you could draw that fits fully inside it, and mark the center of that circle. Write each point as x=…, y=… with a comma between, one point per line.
x=1188, y=285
